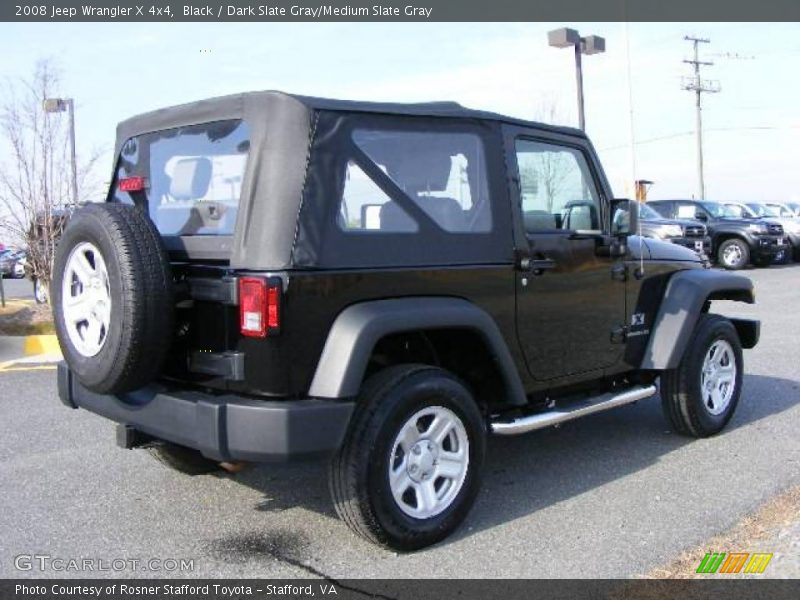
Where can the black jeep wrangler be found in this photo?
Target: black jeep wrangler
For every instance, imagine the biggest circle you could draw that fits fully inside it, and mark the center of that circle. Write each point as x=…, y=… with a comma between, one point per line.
x=276, y=277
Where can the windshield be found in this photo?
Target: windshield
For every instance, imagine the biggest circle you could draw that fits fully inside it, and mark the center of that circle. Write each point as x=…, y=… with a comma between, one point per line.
x=720, y=211
x=745, y=211
x=645, y=212
x=777, y=210
x=194, y=176
x=757, y=210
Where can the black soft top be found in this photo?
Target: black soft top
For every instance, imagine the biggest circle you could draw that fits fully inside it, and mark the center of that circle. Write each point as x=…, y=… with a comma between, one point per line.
x=238, y=105
x=286, y=216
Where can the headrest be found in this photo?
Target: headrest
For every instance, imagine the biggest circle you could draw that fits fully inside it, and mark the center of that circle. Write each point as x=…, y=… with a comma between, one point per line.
x=421, y=170
x=190, y=179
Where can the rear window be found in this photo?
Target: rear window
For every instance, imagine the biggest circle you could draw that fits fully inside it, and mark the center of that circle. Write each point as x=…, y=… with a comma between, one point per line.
x=194, y=176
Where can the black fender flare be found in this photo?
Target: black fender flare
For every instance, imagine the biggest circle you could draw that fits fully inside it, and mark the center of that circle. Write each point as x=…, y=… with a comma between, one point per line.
x=685, y=295
x=358, y=328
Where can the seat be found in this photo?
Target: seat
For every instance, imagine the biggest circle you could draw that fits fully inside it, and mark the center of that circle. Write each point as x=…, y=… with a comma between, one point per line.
x=396, y=220
x=445, y=212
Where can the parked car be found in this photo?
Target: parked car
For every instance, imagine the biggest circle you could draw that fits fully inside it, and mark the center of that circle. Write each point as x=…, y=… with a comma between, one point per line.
x=12, y=263
x=292, y=277
x=776, y=213
x=684, y=232
x=735, y=242
x=19, y=266
x=5, y=263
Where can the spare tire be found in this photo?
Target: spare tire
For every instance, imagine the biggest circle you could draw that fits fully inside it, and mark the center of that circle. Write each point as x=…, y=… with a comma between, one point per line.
x=112, y=298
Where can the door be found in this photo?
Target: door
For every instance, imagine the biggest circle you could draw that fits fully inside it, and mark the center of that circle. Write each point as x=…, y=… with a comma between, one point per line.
x=566, y=310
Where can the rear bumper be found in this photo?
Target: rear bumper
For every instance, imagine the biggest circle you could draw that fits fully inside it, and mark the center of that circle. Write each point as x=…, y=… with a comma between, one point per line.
x=225, y=427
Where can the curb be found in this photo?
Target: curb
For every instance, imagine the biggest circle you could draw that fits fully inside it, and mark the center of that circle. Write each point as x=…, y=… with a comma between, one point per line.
x=41, y=344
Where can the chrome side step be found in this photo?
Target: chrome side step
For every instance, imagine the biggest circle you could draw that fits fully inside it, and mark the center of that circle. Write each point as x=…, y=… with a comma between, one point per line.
x=588, y=407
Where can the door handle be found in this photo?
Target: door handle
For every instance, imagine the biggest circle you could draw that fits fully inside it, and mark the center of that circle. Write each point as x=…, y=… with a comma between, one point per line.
x=537, y=266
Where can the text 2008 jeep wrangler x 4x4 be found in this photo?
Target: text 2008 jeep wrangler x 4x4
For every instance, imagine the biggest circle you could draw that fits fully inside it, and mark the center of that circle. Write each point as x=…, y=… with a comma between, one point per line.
x=276, y=277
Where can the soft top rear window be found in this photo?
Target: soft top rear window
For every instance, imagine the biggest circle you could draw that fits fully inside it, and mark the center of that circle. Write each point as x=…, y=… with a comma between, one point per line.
x=194, y=176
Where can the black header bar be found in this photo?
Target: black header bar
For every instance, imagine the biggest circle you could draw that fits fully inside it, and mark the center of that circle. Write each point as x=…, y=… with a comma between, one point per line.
x=398, y=10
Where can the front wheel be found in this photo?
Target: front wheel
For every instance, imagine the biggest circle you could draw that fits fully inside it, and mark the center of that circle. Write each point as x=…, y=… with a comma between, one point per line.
x=409, y=469
x=701, y=393
x=733, y=254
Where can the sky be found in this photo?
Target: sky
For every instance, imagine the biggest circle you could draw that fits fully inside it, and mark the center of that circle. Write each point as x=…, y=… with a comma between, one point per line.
x=751, y=128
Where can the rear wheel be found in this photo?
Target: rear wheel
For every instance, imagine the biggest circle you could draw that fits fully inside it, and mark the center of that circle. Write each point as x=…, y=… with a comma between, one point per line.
x=733, y=254
x=700, y=395
x=409, y=468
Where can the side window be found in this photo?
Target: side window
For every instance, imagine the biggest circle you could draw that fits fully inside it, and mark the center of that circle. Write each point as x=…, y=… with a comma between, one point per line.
x=736, y=210
x=366, y=207
x=687, y=211
x=557, y=188
x=664, y=209
x=443, y=173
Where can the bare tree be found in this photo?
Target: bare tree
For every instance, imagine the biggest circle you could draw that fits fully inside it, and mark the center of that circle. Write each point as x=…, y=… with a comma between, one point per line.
x=35, y=193
x=550, y=169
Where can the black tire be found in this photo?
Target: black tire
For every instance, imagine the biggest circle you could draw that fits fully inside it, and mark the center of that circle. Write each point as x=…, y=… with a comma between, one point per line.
x=140, y=290
x=729, y=249
x=681, y=391
x=359, y=476
x=182, y=459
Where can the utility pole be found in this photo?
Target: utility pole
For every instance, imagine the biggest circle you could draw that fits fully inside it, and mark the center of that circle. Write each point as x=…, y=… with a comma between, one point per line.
x=698, y=85
x=631, y=130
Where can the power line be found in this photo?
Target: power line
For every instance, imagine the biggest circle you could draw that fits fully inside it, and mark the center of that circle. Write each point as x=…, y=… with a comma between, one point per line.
x=670, y=136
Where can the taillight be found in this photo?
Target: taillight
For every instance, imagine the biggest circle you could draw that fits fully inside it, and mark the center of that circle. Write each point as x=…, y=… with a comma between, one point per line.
x=131, y=184
x=259, y=306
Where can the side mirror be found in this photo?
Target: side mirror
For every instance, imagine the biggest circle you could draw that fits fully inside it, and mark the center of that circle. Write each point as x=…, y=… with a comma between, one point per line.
x=700, y=216
x=624, y=217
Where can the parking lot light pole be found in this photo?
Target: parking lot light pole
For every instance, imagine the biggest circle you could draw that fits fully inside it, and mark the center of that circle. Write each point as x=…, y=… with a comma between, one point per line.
x=54, y=105
x=591, y=44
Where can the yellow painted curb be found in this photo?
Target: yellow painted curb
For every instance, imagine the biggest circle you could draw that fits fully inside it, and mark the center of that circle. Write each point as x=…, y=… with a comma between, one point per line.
x=41, y=344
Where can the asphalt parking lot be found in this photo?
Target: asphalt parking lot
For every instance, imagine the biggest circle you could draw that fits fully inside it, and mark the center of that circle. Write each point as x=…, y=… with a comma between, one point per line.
x=612, y=495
